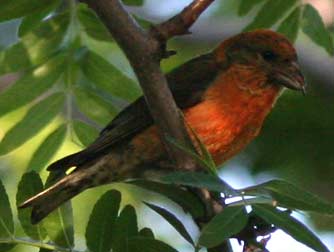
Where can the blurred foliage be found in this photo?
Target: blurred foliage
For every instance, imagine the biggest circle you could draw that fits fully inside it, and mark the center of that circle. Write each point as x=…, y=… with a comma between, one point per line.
x=65, y=63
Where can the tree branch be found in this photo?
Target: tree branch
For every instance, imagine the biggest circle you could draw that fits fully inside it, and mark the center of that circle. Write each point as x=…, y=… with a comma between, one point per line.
x=144, y=51
x=180, y=24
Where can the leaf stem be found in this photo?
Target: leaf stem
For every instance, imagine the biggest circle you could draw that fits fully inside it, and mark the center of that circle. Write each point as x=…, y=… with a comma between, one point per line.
x=74, y=28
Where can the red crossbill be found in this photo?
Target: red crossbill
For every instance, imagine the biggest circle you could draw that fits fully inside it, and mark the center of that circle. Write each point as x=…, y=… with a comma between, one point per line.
x=225, y=96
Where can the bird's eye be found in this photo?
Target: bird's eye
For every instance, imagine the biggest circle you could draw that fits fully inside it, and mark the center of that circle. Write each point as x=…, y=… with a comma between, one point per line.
x=269, y=55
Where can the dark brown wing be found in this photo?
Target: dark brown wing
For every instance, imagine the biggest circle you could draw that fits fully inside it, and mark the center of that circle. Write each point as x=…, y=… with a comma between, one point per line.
x=187, y=83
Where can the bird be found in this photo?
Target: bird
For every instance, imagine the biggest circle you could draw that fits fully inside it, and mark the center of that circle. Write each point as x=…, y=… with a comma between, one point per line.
x=224, y=95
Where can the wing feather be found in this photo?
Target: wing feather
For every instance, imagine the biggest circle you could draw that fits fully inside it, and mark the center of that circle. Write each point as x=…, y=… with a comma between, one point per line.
x=187, y=83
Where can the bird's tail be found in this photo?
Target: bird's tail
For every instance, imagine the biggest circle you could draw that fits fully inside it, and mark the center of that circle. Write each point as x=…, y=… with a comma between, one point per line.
x=48, y=200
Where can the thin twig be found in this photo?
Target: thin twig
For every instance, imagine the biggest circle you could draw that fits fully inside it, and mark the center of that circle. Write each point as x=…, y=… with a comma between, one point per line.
x=180, y=23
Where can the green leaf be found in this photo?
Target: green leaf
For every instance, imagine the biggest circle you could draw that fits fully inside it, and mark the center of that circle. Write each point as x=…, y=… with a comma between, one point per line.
x=94, y=106
x=270, y=13
x=36, y=46
x=200, y=180
x=204, y=153
x=59, y=223
x=147, y=233
x=173, y=220
x=6, y=246
x=47, y=149
x=225, y=224
x=252, y=201
x=6, y=216
x=290, y=25
x=125, y=227
x=204, y=162
x=108, y=78
x=31, y=85
x=290, y=196
x=91, y=24
x=85, y=133
x=45, y=250
x=246, y=6
x=72, y=70
x=30, y=185
x=100, y=228
x=133, y=2
x=315, y=29
x=32, y=21
x=290, y=225
x=18, y=8
x=185, y=199
x=36, y=119
x=59, y=226
x=140, y=244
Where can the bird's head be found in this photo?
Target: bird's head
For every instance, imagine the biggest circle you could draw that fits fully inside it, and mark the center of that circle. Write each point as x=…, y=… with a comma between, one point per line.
x=266, y=50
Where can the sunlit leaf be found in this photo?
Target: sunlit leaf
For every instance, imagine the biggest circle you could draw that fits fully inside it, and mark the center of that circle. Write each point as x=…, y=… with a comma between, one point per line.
x=85, y=133
x=94, y=106
x=315, y=29
x=100, y=228
x=290, y=225
x=290, y=25
x=108, y=78
x=246, y=6
x=125, y=228
x=225, y=224
x=270, y=13
x=31, y=85
x=186, y=200
x=18, y=8
x=30, y=185
x=288, y=195
x=173, y=220
x=47, y=149
x=91, y=24
x=36, y=46
x=59, y=223
x=6, y=216
x=36, y=119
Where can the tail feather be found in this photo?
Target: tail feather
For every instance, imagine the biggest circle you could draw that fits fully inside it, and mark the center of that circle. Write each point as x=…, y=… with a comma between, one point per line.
x=67, y=186
x=48, y=200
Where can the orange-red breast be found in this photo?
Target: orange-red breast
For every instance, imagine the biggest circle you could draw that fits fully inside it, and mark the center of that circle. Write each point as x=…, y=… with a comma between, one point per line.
x=225, y=96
